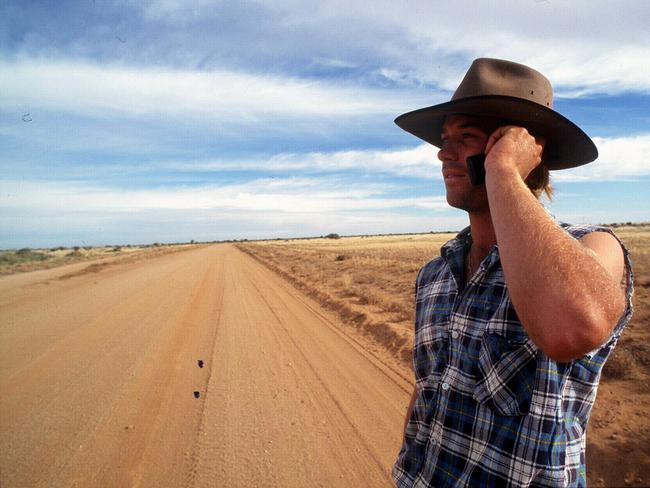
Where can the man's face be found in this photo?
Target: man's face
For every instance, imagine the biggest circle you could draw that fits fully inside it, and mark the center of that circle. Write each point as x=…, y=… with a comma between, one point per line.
x=463, y=136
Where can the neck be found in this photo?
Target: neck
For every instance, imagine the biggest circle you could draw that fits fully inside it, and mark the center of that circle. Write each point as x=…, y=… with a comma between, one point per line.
x=483, y=236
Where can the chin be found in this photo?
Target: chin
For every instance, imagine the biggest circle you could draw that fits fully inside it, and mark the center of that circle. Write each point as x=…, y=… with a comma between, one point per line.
x=468, y=201
x=457, y=199
x=455, y=202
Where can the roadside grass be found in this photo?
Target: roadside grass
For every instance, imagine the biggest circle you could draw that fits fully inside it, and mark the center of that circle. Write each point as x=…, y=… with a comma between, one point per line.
x=26, y=259
x=25, y=255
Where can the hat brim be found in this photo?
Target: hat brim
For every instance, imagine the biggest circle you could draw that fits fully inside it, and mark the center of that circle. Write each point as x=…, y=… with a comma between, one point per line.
x=567, y=146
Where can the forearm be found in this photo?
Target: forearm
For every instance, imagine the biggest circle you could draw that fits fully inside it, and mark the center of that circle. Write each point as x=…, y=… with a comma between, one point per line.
x=565, y=299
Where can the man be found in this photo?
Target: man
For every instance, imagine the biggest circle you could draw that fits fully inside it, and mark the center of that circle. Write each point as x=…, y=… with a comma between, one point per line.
x=517, y=316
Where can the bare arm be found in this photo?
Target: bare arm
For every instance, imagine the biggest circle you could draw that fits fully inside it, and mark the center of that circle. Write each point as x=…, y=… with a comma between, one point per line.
x=409, y=410
x=566, y=292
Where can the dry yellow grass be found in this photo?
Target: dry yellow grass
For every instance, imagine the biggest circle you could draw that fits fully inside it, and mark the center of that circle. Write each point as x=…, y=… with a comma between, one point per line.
x=23, y=260
x=369, y=282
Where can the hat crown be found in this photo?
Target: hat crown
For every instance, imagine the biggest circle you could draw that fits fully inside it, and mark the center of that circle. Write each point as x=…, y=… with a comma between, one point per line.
x=498, y=77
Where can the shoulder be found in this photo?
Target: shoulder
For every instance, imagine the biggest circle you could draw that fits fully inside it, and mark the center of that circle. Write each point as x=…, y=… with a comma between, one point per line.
x=448, y=251
x=604, y=245
x=578, y=231
x=429, y=271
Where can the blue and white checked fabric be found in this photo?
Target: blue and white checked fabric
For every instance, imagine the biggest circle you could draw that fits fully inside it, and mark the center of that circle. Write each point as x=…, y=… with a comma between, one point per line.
x=492, y=409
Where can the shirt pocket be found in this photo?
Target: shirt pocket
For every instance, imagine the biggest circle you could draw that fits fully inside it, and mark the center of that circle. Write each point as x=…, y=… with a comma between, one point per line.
x=505, y=376
x=430, y=353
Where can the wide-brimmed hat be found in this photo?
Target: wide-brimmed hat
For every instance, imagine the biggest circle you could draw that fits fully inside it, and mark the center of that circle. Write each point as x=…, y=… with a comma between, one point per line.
x=512, y=91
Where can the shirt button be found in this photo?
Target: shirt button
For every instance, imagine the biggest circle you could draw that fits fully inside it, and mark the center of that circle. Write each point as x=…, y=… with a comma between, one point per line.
x=445, y=386
x=455, y=334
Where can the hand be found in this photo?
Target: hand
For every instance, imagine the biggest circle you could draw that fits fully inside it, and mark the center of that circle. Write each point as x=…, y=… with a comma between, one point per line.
x=512, y=147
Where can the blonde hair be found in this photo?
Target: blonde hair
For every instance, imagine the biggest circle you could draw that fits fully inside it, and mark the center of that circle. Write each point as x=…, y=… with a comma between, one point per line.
x=539, y=182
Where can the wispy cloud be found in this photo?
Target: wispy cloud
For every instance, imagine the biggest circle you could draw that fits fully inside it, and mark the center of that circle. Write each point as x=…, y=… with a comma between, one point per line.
x=291, y=196
x=419, y=161
x=620, y=158
x=584, y=47
x=91, y=89
x=49, y=213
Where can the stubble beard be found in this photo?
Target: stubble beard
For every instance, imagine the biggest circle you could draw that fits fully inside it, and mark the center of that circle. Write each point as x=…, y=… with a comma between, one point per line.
x=473, y=199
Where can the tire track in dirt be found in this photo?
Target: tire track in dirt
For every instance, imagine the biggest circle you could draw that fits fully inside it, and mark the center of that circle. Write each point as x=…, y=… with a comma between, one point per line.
x=56, y=377
x=108, y=372
x=104, y=395
x=191, y=473
x=403, y=381
x=323, y=391
x=322, y=383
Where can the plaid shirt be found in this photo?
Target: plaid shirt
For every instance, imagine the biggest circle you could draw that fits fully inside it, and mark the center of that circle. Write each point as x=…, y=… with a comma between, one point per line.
x=491, y=408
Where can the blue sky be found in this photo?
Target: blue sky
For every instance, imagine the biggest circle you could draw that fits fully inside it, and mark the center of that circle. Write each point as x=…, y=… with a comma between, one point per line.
x=164, y=120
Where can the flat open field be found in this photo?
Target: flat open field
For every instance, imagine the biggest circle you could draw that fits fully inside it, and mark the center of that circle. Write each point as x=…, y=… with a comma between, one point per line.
x=195, y=368
x=369, y=282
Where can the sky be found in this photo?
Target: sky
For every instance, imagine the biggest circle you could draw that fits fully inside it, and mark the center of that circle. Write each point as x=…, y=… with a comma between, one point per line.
x=133, y=122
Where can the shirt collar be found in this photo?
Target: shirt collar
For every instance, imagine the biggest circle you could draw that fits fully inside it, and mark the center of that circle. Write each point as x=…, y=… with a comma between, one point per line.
x=455, y=250
x=453, y=253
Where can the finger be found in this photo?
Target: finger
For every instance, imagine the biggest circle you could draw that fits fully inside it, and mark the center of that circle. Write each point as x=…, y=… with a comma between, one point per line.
x=494, y=137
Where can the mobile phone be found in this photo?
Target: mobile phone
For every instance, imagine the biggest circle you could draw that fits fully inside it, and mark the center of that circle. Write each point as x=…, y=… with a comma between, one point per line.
x=476, y=169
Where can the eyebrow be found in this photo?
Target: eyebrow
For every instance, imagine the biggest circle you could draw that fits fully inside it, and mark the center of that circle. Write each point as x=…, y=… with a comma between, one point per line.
x=467, y=125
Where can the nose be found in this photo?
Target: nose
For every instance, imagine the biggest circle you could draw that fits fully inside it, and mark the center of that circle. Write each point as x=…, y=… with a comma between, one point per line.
x=447, y=152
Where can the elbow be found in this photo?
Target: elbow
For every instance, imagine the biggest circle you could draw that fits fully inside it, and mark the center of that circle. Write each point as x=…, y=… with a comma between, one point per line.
x=575, y=336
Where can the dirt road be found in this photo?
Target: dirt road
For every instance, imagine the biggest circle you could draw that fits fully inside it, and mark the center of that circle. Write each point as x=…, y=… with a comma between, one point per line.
x=98, y=374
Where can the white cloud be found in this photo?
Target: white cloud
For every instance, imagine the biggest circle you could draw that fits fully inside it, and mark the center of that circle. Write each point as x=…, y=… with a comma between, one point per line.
x=583, y=69
x=290, y=196
x=583, y=46
x=48, y=213
x=336, y=63
x=586, y=69
x=144, y=100
x=419, y=161
x=619, y=158
x=104, y=90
